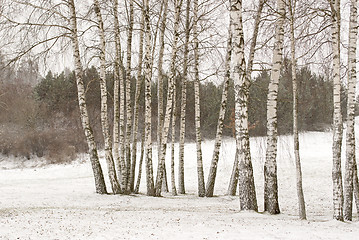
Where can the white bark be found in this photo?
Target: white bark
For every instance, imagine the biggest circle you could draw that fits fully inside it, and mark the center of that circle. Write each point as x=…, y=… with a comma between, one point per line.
x=137, y=102
x=148, y=96
x=121, y=165
x=171, y=87
x=181, y=185
x=222, y=111
x=350, y=135
x=128, y=95
x=197, y=110
x=104, y=118
x=271, y=203
x=247, y=194
x=300, y=194
x=96, y=167
x=337, y=117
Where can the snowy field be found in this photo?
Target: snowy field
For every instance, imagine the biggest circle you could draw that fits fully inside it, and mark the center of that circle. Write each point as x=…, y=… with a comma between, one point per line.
x=59, y=202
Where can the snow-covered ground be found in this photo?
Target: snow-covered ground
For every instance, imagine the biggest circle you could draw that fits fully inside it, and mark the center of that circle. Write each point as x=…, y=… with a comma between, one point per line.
x=58, y=201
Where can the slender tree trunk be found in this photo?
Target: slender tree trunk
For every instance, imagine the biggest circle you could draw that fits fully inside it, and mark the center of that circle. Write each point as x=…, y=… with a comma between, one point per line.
x=271, y=203
x=173, y=136
x=96, y=167
x=247, y=193
x=104, y=117
x=222, y=111
x=232, y=188
x=137, y=188
x=337, y=117
x=137, y=103
x=128, y=95
x=148, y=96
x=301, y=202
x=118, y=117
x=252, y=49
x=197, y=109
x=233, y=182
x=181, y=185
x=160, y=89
x=171, y=87
x=350, y=138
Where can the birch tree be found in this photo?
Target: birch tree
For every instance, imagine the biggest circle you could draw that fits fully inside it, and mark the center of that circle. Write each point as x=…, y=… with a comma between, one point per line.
x=247, y=193
x=234, y=176
x=104, y=118
x=200, y=175
x=271, y=204
x=118, y=113
x=170, y=94
x=350, y=134
x=96, y=167
x=128, y=92
x=301, y=202
x=337, y=117
x=181, y=185
x=160, y=116
x=137, y=102
x=148, y=96
x=222, y=111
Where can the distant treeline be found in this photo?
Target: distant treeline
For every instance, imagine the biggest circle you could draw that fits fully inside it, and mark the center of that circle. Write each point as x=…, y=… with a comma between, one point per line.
x=44, y=120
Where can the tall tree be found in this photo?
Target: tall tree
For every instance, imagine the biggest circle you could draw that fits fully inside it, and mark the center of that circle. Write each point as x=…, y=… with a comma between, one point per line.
x=148, y=96
x=271, y=203
x=128, y=92
x=118, y=113
x=337, y=116
x=137, y=103
x=247, y=193
x=173, y=136
x=170, y=94
x=350, y=134
x=234, y=176
x=181, y=185
x=301, y=202
x=104, y=117
x=160, y=100
x=222, y=111
x=197, y=108
x=96, y=167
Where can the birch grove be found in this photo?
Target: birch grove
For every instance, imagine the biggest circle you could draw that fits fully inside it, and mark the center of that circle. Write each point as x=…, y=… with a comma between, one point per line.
x=167, y=75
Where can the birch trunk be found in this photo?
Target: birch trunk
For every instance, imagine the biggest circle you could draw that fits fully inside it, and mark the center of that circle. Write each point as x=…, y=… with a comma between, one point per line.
x=222, y=111
x=96, y=167
x=337, y=118
x=171, y=87
x=136, y=107
x=173, y=135
x=301, y=202
x=160, y=89
x=350, y=135
x=233, y=182
x=271, y=204
x=197, y=109
x=247, y=193
x=118, y=117
x=116, y=89
x=181, y=185
x=148, y=96
x=104, y=118
x=234, y=177
x=128, y=95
